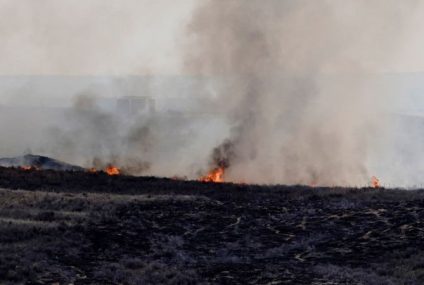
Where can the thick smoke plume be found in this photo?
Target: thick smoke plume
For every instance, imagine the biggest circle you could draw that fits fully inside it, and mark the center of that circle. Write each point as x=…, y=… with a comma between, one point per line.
x=289, y=90
x=295, y=83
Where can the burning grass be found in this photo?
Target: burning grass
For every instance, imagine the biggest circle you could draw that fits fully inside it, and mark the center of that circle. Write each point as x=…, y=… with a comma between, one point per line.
x=112, y=170
x=375, y=182
x=216, y=175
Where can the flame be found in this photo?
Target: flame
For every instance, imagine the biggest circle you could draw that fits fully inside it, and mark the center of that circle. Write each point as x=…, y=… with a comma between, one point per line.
x=112, y=170
x=26, y=167
x=216, y=175
x=29, y=167
x=375, y=182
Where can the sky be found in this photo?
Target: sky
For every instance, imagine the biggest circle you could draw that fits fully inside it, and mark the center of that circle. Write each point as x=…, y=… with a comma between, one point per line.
x=138, y=37
x=149, y=37
x=92, y=37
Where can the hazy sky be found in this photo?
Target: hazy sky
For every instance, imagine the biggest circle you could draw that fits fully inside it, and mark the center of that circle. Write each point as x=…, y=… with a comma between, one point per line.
x=115, y=37
x=86, y=37
x=149, y=37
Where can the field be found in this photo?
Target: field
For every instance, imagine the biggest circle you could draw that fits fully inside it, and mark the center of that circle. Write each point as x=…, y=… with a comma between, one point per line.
x=82, y=228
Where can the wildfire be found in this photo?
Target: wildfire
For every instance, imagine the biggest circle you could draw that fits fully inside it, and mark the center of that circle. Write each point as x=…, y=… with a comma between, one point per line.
x=26, y=167
x=112, y=170
x=216, y=175
x=375, y=183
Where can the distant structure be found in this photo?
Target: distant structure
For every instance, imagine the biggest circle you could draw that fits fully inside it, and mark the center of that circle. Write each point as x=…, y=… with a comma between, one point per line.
x=135, y=105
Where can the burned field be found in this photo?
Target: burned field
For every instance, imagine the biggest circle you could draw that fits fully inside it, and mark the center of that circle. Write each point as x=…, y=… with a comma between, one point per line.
x=91, y=228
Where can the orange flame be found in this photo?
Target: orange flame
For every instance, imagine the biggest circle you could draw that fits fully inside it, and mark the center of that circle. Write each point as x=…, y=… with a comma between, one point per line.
x=216, y=175
x=112, y=170
x=26, y=167
x=375, y=182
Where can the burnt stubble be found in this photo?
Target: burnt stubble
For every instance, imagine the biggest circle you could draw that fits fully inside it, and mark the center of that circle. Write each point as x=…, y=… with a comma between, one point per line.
x=91, y=228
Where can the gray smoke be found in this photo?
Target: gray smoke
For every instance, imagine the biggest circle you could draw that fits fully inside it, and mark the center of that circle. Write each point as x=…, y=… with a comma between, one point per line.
x=144, y=144
x=296, y=84
x=290, y=93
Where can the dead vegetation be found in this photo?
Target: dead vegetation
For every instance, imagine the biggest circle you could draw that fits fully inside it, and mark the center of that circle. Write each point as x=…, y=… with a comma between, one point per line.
x=80, y=228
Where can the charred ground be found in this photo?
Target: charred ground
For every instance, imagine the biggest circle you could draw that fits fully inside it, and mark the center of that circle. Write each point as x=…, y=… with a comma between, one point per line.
x=91, y=228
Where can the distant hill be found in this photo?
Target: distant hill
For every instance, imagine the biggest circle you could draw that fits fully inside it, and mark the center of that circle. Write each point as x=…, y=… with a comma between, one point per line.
x=39, y=162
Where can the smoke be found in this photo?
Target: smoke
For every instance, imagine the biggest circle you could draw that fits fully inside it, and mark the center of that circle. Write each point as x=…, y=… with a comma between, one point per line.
x=145, y=143
x=290, y=89
x=296, y=82
x=114, y=37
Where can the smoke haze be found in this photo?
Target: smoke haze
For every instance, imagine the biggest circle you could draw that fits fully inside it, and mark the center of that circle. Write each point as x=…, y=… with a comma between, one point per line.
x=289, y=91
x=296, y=84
